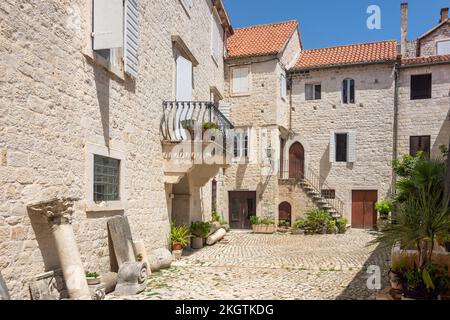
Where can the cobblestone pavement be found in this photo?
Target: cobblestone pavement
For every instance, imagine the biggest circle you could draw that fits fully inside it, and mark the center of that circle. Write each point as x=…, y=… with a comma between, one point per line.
x=276, y=266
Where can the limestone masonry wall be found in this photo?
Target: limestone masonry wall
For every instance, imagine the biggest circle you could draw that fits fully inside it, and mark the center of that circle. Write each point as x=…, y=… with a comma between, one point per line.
x=55, y=102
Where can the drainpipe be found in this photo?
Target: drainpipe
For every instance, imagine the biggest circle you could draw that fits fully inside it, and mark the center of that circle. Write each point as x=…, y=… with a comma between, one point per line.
x=395, y=129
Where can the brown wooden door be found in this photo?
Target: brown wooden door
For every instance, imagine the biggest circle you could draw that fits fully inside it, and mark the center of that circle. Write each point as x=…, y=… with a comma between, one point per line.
x=364, y=215
x=242, y=205
x=296, y=161
x=285, y=212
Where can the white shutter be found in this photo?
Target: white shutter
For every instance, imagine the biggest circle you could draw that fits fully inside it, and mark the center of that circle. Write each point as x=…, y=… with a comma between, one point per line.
x=283, y=86
x=107, y=24
x=225, y=109
x=131, y=38
x=184, y=79
x=443, y=47
x=215, y=26
x=243, y=86
x=332, y=147
x=235, y=79
x=352, y=146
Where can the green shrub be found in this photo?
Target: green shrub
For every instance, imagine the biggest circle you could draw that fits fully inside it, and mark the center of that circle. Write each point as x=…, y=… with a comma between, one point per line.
x=384, y=207
x=341, y=223
x=200, y=229
x=299, y=224
x=215, y=216
x=254, y=220
x=331, y=225
x=210, y=126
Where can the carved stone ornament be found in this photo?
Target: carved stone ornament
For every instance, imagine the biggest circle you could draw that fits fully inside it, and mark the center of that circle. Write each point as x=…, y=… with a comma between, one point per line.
x=56, y=211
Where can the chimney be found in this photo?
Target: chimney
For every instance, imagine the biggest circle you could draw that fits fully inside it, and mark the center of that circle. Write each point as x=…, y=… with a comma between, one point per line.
x=404, y=30
x=444, y=15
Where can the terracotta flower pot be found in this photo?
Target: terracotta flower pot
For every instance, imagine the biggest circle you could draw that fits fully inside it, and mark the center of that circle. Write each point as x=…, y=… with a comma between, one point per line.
x=196, y=243
x=177, y=246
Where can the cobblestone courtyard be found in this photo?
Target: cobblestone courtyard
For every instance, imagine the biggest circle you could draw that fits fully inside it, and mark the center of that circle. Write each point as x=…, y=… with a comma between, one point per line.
x=249, y=266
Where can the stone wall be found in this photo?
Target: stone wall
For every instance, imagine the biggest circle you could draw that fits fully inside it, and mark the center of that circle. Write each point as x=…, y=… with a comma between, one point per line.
x=56, y=101
x=428, y=44
x=371, y=116
x=428, y=116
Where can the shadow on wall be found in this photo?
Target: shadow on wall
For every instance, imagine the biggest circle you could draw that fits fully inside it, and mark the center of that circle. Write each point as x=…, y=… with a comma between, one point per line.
x=357, y=288
x=45, y=240
x=441, y=139
x=240, y=174
x=102, y=85
x=325, y=165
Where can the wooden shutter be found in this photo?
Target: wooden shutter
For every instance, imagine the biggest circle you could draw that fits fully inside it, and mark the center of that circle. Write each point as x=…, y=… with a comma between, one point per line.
x=283, y=86
x=309, y=92
x=225, y=110
x=107, y=24
x=240, y=80
x=184, y=79
x=352, y=146
x=443, y=47
x=131, y=38
x=332, y=147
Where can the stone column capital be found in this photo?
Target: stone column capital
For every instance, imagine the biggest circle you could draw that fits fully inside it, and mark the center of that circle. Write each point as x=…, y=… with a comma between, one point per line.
x=56, y=211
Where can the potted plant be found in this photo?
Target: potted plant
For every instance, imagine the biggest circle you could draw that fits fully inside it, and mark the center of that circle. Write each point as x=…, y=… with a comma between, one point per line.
x=199, y=231
x=396, y=273
x=178, y=237
x=212, y=127
x=265, y=225
x=139, y=258
x=384, y=208
x=93, y=278
x=189, y=125
x=298, y=227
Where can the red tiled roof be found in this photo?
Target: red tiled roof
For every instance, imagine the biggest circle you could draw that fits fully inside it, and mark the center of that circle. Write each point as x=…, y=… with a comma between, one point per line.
x=425, y=60
x=384, y=51
x=260, y=40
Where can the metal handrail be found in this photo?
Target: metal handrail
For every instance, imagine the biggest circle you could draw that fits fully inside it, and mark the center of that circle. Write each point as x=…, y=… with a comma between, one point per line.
x=316, y=181
x=179, y=116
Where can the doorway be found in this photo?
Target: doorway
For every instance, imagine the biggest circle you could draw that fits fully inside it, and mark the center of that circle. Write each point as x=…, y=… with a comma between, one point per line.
x=242, y=205
x=364, y=215
x=296, y=161
x=285, y=213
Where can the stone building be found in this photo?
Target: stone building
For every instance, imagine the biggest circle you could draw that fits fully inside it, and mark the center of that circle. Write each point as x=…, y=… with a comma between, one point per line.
x=334, y=125
x=82, y=91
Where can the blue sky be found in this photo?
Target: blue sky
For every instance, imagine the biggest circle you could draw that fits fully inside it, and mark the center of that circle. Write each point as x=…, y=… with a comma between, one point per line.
x=325, y=23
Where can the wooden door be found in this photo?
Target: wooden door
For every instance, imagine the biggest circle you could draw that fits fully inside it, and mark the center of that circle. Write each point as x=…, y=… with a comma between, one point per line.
x=285, y=212
x=296, y=161
x=364, y=215
x=242, y=205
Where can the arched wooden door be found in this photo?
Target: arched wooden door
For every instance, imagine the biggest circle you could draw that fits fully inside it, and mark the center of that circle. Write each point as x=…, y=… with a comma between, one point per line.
x=285, y=212
x=296, y=161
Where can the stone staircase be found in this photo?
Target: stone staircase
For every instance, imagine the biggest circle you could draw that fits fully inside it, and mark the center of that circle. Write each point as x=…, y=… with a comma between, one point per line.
x=333, y=207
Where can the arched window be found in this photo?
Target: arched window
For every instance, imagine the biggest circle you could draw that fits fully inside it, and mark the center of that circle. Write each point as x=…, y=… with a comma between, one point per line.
x=348, y=91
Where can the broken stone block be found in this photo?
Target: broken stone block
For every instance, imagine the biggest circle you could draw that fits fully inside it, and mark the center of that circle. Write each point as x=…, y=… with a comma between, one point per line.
x=109, y=280
x=160, y=259
x=132, y=278
x=98, y=291
x=4, y=293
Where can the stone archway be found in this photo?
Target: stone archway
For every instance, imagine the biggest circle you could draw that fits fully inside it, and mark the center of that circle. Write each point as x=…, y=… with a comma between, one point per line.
x=285, y=212
x=296, y=161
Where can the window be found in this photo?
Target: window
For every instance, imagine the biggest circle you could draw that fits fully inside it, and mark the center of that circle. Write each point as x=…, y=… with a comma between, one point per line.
x=328, y=194
x=313, y=91
x=421, y=86
x=420, y=144
x=241, y=144
x=106, y=179
x=115, y=29
x=240, y=80
x=443, y=47
x=343, y=146
x=283, y=87
x=348, y=91
x=216, y=37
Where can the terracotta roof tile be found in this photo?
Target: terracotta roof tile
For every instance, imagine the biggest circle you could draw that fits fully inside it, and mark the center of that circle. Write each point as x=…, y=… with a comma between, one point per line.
x=260, y=40
x=384, y=51
x=425, y=60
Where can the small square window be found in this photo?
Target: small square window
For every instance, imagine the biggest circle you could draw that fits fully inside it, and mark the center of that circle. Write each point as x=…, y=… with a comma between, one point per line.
x=443, y=47
x=420, y=144
x=421, y=86
x=328, y=194
x=106, y=179
x=313, y=91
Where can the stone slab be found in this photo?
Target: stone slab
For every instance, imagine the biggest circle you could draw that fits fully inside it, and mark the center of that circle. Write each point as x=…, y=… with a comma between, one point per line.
x=122, y=241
